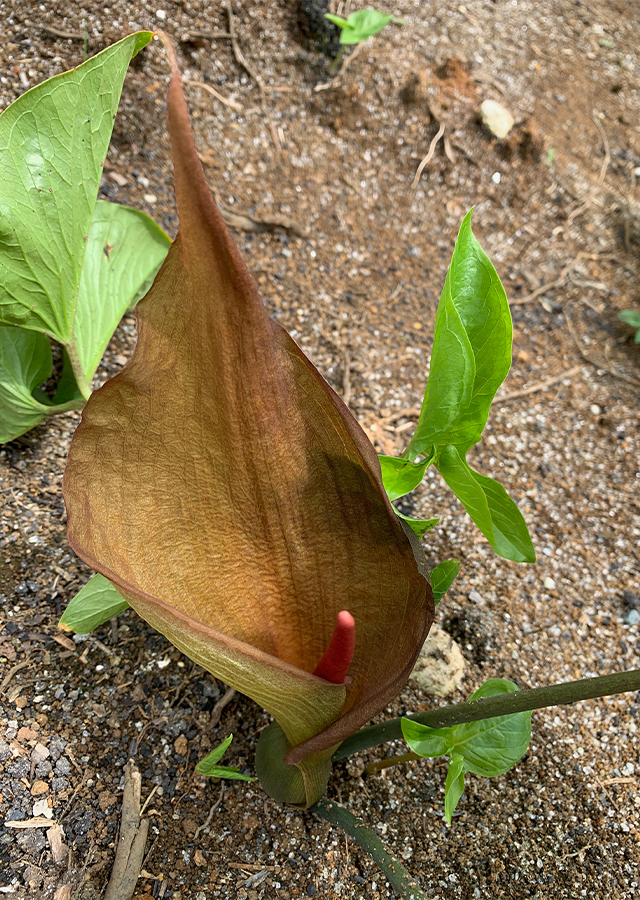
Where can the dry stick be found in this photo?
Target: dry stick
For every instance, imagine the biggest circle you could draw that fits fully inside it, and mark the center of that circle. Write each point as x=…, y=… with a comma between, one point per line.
x=366, y=838
x=242, y=61
x=131, y=840
x=489, y=707
x=428, y=157
x=216, y=712
x=207, y=87
x=390, y=761
x=539, y=386
x=543, y=288
x=603, y=171
x=594, y=362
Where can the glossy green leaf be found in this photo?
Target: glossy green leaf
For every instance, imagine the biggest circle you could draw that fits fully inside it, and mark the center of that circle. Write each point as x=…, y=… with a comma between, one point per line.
x=426, y=741
x=209, y=769
x=400, y=476
x=454, y=785
x=491, y=747
x=96, y=602
x=631, y=317
x=418, y=526
x=471, y=350
x=362, y=24
x=53, y=142
x=489, y=505
x=511, y=535
x=125, y=249
x=25, y=362
x=442, y=577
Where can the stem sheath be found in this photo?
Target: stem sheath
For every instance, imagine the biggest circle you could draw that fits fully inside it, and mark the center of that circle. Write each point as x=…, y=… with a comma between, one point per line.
x=489, y=707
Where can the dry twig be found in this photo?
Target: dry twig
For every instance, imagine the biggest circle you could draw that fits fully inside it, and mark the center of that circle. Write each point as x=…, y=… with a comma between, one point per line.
x=603, y=171
x=216, y=712
x=428, y=157
x=213, y=92
x=539, y=386
x=131, y=840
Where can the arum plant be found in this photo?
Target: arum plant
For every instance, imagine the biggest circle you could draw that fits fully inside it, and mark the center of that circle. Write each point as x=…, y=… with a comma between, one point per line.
x=70, y=265
x=235, y=503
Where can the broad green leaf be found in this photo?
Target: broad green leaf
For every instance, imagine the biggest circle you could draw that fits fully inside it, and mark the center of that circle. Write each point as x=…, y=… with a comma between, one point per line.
x=67, y=388
x=209, y=769
x=461, y=480
x=511, y=535
x=631, y=317
x=418, y=526
x=442, y=577
x=96, y=602
x=491, y=747
x=124, y=251
x=471, y=350
x=454, y=785
x=25, y=362
x=362, y=24
x=400, y=476
x=426, y=741
x=489, y=505
x=53, y=142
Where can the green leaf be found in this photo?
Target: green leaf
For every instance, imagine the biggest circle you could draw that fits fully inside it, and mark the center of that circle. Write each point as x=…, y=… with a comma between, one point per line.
x=491, y=747
x=400, y=476
x=418, y=526
x=471, y=350
x=511, y=535
x=630, y=316
x=442, y=577
x=53, y=142
x=124, y=251
x=489, y=505
x=454, y=785
x=25, y=362
x=209, y=769
x=426, y=741
x=67, y=389
x=362, y=24
x=95, y=603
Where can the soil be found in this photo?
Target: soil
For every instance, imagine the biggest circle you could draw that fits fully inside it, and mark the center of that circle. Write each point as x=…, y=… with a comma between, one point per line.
x=356, y=280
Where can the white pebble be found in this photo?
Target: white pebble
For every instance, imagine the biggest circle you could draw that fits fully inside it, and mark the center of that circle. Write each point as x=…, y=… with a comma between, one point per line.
x=151, y=199
x=161, y=14
x=595, y=409
x=496, y=118
x=496, y=177
x=550, y=584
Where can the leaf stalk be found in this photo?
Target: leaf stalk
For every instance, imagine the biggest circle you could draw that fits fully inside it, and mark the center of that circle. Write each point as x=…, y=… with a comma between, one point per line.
x=489, y=707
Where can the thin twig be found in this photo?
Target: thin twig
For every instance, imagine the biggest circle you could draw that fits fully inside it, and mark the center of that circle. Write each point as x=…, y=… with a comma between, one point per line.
x=216, y=712
x=539, y=386
x=390, y=761
x=209, y=818
x=428, y=157
x=369, y=841
x=213, y=92
x=595, y=362
x=560, y=280
x=242, y=61
x=12, y=672
x=131, y=840
x=603, y=171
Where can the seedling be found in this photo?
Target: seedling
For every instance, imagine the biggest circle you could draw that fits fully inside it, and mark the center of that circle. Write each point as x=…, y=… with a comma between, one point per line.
x=358, y=27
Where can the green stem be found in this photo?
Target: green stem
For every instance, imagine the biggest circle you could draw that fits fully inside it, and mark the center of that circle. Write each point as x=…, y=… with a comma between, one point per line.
x=390, y=761
x=78, y=403
x=336, y=62
x=489, y=707
x=369, y=841
x=76, y=367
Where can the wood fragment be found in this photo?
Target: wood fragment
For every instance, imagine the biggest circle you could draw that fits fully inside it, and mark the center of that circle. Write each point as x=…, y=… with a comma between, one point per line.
x=59, y=849
x=207, y=87
x=427, y=159
x=216, y=712
x=17, y=668
x=209, y=818
x=37, y=822
x=539, y=386
x=131, y=840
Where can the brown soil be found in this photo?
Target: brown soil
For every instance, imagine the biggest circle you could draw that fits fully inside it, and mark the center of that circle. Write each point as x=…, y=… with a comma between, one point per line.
x=356, y=281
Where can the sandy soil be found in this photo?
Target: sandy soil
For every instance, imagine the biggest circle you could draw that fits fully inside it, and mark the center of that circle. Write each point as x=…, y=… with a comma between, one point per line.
x=355, y=277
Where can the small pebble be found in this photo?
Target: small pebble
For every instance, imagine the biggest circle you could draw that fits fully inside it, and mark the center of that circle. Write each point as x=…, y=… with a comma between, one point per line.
x=39, y=753
x=496, y=118
x=550, y=584
x=161, y=14
x=181, y=745
x=151, y=199
x=628, y=769
x=595, y=410
x=42, y=808
x=38, y=788
x=143, y=181
x=496, y=177
x=632, y=617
